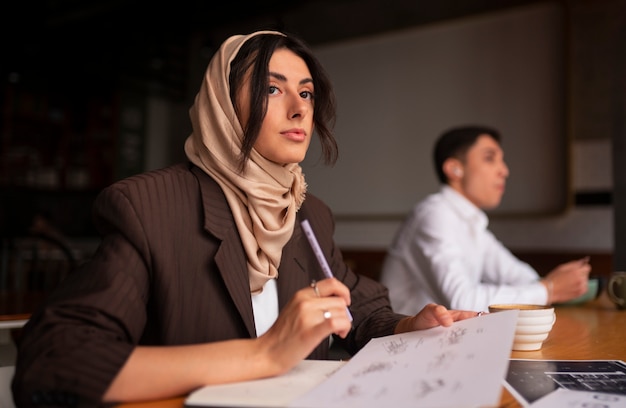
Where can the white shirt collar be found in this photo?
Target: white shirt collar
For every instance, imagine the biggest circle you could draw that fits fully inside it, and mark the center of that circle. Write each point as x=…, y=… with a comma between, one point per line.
x=464, y=207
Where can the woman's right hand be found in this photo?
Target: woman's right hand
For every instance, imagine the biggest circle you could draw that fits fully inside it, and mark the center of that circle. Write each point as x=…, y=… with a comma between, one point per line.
x=307, y=320
x=163, y=372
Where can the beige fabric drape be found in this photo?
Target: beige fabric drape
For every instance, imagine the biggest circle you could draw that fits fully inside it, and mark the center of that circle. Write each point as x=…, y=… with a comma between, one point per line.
x=264, y=198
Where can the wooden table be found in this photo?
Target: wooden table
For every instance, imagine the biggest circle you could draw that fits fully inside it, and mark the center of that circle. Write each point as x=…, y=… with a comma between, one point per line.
x=593, y=331
x=17, y=306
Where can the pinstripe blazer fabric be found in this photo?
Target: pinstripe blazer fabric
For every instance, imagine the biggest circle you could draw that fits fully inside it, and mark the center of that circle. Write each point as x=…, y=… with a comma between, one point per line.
x=170, y=270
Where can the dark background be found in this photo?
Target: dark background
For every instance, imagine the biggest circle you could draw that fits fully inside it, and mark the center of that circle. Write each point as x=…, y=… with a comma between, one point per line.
x=72, y=70
x=88, y=46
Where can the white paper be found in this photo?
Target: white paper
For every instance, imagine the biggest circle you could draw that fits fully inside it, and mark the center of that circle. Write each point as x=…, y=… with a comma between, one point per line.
x=580, y=399
x=268, y=392
x=458, y=366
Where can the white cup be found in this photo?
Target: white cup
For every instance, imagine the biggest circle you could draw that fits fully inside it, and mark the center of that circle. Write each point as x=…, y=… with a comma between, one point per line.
x=533, y=325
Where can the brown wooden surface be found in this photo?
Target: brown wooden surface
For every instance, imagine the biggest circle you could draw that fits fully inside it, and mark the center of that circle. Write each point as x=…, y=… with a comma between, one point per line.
x=19, y=305
x=592, y=331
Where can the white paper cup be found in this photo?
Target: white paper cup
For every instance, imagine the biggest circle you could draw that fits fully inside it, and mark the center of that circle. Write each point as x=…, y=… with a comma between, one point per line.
x=533, y=326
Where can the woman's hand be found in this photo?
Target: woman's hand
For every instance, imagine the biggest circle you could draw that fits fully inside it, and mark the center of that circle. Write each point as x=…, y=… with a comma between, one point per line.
x=309, y=318
x=300, y=327
x=432, y=315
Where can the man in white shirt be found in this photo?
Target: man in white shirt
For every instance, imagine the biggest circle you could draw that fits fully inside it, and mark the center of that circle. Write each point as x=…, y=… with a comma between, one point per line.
x=444, y=253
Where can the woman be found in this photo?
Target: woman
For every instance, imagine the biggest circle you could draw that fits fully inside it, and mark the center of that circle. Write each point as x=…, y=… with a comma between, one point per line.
x=203, y=274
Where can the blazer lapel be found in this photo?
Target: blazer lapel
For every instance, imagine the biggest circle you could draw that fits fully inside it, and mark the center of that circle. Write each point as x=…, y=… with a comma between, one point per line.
x=294, y=272
x=230, y=257
x=297, y=267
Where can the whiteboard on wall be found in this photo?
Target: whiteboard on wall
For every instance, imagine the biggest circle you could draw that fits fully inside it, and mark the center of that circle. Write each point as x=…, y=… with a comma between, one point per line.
x=398, y=92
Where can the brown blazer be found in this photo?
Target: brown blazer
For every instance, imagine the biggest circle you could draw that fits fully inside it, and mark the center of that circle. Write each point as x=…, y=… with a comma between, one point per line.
x=171, y=269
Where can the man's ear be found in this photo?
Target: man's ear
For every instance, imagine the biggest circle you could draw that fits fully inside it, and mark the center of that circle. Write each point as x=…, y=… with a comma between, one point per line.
x=453, y=169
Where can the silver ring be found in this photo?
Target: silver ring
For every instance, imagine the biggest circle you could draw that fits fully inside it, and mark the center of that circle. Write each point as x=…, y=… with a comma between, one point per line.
x=327, y=315
x=315, y=289
x=480, y=314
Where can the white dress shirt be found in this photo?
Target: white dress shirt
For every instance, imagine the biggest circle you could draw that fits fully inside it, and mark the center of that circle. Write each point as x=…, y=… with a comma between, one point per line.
x=444, y=254
x=265, y=307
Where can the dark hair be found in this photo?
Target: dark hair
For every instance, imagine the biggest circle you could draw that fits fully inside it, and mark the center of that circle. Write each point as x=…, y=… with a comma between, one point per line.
x=256, y=53
x=456, y=142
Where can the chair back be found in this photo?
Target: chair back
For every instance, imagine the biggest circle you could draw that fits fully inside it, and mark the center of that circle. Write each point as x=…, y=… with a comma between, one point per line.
x=34, y=262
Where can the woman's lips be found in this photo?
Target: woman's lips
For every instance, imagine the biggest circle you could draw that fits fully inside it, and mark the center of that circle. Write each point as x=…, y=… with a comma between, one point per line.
x=297, y=135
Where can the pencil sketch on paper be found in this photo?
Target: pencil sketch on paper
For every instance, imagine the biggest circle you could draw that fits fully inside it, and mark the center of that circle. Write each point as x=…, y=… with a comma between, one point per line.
x=432, y=368
x=442, y=361
x=375, y=367
x=454, y=336
x=395, y=346
x=427, y=387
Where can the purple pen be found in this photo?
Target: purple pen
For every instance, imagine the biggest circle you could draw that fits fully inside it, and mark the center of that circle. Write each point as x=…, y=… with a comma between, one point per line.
x=308, y=231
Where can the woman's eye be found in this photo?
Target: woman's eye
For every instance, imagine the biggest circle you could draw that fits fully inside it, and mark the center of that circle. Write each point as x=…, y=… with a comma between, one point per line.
x=306, y=94
x=273, y=90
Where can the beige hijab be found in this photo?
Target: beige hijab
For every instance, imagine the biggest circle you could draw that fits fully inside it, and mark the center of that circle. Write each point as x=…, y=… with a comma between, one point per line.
x=264, y=198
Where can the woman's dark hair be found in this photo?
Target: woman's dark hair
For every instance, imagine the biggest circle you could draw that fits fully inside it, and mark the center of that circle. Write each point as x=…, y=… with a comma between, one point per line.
x=256, y=53
x=455, y=143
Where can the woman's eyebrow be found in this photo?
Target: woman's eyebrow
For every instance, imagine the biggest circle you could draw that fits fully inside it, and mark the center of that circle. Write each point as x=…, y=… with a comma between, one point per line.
x=278, y=76
x=282, y=78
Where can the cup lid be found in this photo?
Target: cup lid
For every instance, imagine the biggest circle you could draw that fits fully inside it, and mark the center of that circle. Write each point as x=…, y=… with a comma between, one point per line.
x=520, y=306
